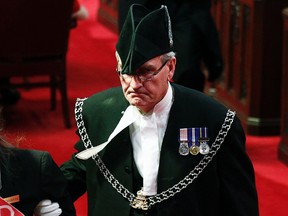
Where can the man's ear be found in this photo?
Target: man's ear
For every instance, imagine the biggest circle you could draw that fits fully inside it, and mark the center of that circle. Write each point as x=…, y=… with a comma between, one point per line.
x=171, y=64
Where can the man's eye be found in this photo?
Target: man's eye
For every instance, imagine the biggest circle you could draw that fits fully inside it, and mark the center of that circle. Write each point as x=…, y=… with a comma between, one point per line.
x=144, y=71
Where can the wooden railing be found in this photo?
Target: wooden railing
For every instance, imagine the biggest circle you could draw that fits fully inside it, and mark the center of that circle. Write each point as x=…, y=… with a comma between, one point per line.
x=107, y=14
x=283, y=147
x=251, y=37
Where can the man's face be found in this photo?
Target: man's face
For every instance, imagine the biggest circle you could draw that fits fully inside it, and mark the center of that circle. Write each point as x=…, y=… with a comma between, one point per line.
x=146, y=91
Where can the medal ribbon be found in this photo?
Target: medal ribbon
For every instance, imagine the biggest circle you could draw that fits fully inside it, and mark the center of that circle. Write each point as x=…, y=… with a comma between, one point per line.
x=197, y=135
x=203, y=134
x=183, y=137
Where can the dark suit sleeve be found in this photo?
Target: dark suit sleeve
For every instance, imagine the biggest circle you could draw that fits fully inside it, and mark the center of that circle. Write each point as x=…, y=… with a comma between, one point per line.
x=75, y=174
x=101, y=113
x=237, y=183
x=54, y=185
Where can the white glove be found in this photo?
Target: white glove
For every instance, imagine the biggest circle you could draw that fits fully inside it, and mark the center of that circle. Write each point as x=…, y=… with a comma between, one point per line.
x=47, y=208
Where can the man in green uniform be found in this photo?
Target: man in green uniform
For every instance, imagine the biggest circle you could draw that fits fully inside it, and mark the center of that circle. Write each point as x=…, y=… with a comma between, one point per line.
x=152, y=147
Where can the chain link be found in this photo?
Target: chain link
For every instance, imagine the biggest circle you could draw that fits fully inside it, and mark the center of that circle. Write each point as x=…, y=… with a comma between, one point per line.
x=112, y=180
x=80, y=123
x=187, y=180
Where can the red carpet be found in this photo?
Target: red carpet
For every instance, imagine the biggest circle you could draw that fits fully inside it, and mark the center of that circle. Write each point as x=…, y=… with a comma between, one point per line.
x=91, y=67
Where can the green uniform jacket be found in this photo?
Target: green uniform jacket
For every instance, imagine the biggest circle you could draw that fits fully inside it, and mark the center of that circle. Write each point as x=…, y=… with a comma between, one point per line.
x=34, y=176
x=226, y=187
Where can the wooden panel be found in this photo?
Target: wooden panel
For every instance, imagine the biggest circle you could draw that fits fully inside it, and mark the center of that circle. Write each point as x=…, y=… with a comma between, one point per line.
x=283, y=147
x=108, y=14
x=251, y=38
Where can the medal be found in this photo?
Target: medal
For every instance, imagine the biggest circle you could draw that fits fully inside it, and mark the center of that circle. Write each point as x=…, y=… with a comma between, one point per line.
x=194, y=150
x=193, y=141
x=203, y=139
x=204, y=148
x=183, y=148
x=183, y=140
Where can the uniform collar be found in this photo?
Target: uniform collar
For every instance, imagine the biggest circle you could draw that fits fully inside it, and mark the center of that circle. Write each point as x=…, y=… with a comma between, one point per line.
x=165, y=102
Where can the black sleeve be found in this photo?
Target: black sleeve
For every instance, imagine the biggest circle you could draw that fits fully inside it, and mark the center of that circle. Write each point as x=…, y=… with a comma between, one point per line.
x=54, y=185
x=236, y=173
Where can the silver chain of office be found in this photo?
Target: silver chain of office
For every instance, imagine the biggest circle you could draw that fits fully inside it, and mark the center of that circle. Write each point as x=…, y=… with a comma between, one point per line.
x=187, y=180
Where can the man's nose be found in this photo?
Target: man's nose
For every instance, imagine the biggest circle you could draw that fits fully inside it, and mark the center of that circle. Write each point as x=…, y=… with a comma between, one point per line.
x=135, y=82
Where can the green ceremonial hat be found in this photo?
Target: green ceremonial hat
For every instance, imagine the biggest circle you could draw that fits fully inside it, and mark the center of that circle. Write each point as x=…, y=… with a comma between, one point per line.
x=145, y=35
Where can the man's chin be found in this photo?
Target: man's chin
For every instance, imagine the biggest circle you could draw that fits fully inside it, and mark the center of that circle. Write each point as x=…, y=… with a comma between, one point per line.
x=136, y=103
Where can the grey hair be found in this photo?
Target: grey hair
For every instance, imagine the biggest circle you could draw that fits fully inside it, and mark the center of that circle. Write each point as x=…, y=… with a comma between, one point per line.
x=167, y=56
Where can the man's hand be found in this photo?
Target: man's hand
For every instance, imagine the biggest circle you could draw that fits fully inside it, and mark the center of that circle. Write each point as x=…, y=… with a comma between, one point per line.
x=47, y=208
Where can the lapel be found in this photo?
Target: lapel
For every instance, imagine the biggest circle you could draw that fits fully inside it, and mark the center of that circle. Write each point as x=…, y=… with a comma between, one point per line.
x=118, y=156
x=174, y=167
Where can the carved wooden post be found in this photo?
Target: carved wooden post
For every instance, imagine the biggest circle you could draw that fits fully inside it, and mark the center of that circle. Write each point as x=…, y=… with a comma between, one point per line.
x=283, y=147
x=251, y=37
